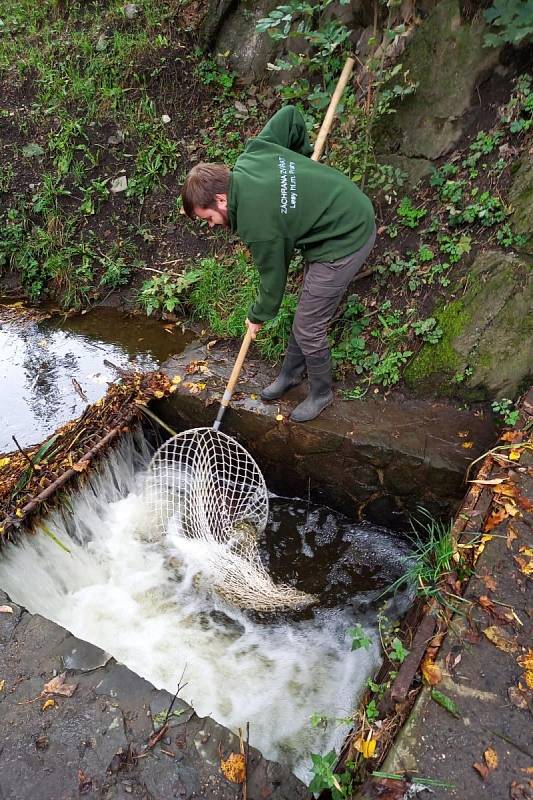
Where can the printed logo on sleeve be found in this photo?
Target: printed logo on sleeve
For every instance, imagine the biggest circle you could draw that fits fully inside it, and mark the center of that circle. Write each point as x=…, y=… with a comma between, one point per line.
x=287, y=178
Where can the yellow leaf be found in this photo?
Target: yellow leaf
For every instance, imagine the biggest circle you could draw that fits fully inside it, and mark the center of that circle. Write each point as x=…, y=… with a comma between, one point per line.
x=431, y=672
x=19, y=513
x=4, y=462
x=527, y=551
x=177, y=379
x=48, y=704
x=2, y=685
x=367, y=747
x=159, y=394
x=172, y=389
x=467, y=445
x=526, y=661
x=234, y=767
x=491, y=758
x=528, y=675
x=497, y=636
x=515, y=454
x=279, y=417
x=253, y=397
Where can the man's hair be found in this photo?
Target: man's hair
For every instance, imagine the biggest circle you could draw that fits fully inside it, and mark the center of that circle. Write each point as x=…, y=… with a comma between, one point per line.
x=203, y=182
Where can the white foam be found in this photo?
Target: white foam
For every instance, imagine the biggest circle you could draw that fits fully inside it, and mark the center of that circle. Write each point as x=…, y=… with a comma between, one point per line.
x=138, y=601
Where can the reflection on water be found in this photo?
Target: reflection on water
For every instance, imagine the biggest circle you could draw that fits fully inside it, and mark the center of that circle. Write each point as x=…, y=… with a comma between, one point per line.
x=50, y=371
x=140, y=600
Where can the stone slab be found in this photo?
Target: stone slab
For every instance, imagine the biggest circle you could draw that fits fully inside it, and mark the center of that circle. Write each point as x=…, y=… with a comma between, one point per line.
x=94, y=744
x=378, y=457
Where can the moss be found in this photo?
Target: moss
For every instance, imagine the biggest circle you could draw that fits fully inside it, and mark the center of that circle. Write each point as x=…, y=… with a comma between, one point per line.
x=440, y=357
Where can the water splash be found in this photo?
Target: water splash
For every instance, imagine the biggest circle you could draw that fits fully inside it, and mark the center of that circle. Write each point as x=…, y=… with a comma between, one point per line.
x=142, y=602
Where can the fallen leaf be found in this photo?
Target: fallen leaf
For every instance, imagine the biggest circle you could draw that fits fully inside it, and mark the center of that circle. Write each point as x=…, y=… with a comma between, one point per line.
x=176, y=379
x=85, y=784
x=495, y=518
x=499, y=638
x=489, y=582
x=491, y=758
x=521, y=791
x=234, y=767
x=511, y=535
x=58, y=686
x=279, y=417
x=528, y=675
x=515, y=454
x=445, y=701
x=482, y=769
x=516, y=697
x=511, y=509
x=486, y=603
x=4, y=462
x=525, y=567
x=2, y=685
x=491, y=482
x=526, y=551
x=462, y=434
x=431, y=672
x=506, y=489
x=253, y=397
x=511, y=436
x=41, y=743
x=159, y=394
x=467, y=445
x=367, y=747
x=527, y=770
x=6, y=610
x=81, y=466
x=48, y=704
x=526, y=660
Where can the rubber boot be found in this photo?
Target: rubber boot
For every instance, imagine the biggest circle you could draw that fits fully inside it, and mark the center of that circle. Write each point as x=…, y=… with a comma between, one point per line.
x=320, y=394
x=291, y=374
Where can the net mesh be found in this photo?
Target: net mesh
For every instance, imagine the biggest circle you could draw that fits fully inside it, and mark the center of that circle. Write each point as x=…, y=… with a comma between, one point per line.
x=204, y=487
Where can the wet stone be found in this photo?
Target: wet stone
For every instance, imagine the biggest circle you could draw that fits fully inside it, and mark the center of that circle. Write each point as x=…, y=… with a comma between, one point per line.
x=83, y=656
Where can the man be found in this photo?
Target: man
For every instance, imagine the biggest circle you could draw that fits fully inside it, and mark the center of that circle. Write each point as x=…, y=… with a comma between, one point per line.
x=277, y=199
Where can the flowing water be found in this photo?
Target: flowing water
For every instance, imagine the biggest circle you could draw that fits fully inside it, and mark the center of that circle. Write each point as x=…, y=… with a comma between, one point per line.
x=137, y=599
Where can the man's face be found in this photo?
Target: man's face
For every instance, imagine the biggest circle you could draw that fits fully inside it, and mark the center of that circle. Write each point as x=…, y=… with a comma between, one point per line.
x=215, y=216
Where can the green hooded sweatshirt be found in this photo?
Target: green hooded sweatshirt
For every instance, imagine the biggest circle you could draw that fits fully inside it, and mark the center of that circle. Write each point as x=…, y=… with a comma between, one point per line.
x=279, y=199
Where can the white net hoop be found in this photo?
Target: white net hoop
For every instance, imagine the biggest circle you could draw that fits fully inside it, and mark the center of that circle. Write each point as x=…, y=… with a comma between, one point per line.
x=204, y=486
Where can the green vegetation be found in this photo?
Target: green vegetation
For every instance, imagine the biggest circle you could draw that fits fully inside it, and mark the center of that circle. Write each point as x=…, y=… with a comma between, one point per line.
x=513, y=20
x=504, y=408
x=434, y=557
x=358, y=637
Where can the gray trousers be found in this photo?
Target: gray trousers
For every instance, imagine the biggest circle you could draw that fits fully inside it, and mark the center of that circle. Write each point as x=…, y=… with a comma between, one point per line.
x=325, y=283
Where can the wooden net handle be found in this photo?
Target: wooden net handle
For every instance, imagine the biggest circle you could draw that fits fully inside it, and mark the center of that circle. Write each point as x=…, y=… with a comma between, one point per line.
x=330, y=113
x=317, y=152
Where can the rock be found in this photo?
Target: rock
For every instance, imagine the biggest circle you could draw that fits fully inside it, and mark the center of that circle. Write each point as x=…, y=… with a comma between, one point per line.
x=119, y=184
x=521, y=202
x=447, y=59
x=32, y=150
x=165, y=119
x=485, y=352
x=249, y=50
x=131, y=10
x=101, y=43
x=215, y=15
x=116, y=138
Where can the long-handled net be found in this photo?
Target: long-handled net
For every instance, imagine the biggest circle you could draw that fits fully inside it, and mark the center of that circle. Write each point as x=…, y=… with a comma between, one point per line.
x=204, y=487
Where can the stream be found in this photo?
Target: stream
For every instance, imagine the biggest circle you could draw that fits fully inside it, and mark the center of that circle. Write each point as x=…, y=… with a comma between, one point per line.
x=93, y=567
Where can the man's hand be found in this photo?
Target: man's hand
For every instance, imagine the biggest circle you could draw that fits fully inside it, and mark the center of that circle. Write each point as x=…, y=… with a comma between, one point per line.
x=254, y=327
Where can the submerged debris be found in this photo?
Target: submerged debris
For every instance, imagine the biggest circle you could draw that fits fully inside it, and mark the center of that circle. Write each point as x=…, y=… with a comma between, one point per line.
x=30, y=477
